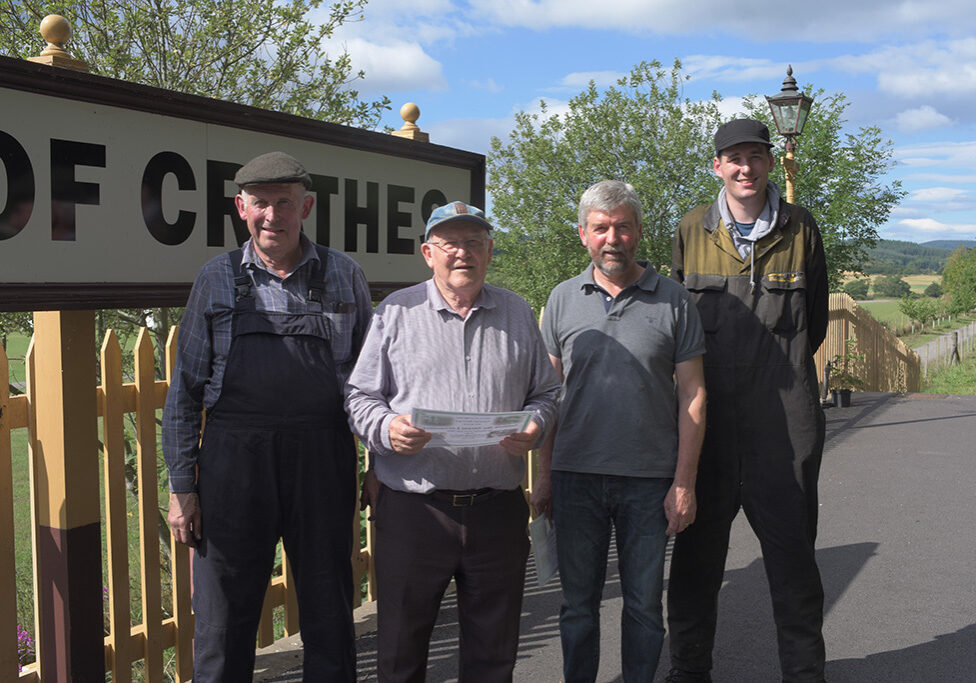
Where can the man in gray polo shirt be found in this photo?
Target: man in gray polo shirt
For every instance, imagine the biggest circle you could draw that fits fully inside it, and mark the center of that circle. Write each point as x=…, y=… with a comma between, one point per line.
x=451, y=343
x=625, y=453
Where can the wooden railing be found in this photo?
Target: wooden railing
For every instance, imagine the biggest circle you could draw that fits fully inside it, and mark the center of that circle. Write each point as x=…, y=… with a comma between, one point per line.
x=889, y=366
x=160, y=578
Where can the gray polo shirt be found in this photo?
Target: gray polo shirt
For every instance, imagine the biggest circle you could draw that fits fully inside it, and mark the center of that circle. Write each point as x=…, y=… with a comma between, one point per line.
x=419, y=353
x=618, y=413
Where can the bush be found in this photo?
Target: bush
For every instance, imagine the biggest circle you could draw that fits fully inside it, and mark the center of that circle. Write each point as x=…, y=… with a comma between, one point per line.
x=857, y=289
x=891, y=286
x=934, y=290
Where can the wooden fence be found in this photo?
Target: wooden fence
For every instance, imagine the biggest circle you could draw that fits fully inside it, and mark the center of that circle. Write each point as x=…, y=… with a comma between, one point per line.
x=161, y=579
x=164, y=583
x=888, y=364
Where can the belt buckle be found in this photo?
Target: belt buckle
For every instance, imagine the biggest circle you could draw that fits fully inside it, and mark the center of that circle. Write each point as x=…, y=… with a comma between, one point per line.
x=463, y=499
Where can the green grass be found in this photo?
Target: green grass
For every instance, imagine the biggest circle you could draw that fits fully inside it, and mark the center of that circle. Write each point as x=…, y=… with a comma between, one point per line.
x=955, y=379
x=886, y=312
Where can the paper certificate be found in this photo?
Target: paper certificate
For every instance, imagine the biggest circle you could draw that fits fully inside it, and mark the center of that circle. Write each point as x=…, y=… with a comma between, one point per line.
x=543, y=537
x=468, y=429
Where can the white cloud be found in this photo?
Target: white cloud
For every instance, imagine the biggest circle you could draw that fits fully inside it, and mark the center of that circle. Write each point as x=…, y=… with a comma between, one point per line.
x=921, y=118
x=394, y=66
x=726, y=68
x=943, y=154
x=581, y=79
x=489, y=84
x=938, y=194
x=930, y=225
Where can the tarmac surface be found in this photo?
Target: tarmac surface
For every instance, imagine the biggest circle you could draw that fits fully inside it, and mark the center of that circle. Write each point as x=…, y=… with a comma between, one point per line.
x=896, y=548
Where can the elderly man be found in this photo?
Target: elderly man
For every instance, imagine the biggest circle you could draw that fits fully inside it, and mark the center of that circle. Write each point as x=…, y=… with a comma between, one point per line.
x=626, y=449
x=270, y=333
x=755, y=267
x=451, y=343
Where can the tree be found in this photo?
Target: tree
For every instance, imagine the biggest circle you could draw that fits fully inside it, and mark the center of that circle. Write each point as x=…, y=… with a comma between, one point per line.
x=840, y=178
x=640, y=130
x=920, y=310
x=934, y=290
x=263, y=53
x=891, y=286
x=959, y=280
x=857, y=289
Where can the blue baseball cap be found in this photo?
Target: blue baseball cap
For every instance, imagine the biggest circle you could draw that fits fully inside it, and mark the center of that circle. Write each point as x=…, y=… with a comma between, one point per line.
x=456, y=212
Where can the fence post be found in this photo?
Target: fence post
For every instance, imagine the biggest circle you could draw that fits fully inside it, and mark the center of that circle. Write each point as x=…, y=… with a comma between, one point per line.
x=69, y=552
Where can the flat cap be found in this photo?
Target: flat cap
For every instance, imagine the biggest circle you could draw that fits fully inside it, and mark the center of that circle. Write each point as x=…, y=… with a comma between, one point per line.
x=273, y=167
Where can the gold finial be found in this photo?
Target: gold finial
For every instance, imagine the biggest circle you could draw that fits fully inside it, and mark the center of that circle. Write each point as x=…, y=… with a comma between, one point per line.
x=410, y=112
x=56, y=30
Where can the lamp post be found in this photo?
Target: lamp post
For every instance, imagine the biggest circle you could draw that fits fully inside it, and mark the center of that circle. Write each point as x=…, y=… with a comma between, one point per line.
x=790, y=109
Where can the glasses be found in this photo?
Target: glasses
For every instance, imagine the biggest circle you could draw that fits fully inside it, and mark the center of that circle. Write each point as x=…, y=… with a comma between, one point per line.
x=452, y=247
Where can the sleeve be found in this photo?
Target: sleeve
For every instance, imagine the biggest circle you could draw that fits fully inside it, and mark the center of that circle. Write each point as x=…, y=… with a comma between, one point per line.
x=678, y=257
x=689, y=333
x=368, y=386
x=550, y=337
x=182, y=414
x=364, y=309
x=818, y=293
x=544, y=386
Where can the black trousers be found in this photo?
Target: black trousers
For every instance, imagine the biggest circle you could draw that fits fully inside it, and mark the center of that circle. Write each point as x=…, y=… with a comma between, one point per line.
x=421, y=544
x=778, y=493
x=255, y=487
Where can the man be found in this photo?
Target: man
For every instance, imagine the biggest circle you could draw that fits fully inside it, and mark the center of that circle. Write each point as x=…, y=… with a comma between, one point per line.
x=626, y=449
x=457, y=344
x=269, y=335
x=755, y=267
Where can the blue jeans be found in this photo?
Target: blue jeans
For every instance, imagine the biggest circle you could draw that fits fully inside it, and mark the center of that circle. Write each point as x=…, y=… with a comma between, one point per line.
x=585, y=507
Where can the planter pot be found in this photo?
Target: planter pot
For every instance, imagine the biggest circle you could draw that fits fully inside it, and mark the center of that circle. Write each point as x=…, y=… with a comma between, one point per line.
x=842, y=398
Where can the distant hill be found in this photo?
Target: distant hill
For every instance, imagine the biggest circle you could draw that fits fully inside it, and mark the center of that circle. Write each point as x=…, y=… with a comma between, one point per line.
x=908, y=258
x=949, y=244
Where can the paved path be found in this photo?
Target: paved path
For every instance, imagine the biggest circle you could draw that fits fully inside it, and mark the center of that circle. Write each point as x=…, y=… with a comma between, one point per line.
x=897, y=550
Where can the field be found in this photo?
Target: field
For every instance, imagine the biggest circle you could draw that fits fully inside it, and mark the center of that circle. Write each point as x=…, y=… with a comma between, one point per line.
x=918, y=283
x=957, y=379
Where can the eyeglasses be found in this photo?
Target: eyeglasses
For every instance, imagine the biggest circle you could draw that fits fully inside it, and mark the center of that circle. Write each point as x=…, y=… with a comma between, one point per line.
x=452, y=247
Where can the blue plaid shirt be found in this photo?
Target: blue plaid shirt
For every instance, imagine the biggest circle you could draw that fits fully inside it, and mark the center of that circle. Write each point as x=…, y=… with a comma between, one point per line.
x=205, y=336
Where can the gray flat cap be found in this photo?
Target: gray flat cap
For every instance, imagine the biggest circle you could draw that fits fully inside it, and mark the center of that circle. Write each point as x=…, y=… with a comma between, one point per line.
x=273, y=167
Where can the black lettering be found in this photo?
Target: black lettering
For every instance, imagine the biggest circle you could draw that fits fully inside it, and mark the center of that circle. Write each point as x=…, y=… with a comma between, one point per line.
x=432, y=199
x=66, y=192
x=20, y=187
x=152, y=198
x=324, y=186
x=395, y=219
x=220, y=205
x=368, y=215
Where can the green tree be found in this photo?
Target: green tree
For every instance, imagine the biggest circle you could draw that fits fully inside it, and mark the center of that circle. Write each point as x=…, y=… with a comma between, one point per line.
x=959, y=280
x=934, y=290
x=641, y=130
x=920, y=310
x=264, y=53
x=840, y=178
x=857, y=289
x=892, y=286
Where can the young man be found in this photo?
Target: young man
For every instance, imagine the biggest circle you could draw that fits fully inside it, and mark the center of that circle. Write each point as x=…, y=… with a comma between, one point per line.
x=626, y=448
x=755, y=267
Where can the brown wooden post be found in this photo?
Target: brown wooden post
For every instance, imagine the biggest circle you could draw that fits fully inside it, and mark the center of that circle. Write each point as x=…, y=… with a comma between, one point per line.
x=69, y=552
x=8, y=568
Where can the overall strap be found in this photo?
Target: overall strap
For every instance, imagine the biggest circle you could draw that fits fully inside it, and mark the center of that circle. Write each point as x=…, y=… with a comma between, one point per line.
x=316, y=281
x=242, y=280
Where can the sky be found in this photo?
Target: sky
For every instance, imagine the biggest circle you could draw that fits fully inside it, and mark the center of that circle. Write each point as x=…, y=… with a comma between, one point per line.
x=906, y=66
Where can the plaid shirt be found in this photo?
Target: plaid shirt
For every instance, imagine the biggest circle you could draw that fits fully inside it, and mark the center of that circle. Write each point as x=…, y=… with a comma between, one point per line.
x=205, y=336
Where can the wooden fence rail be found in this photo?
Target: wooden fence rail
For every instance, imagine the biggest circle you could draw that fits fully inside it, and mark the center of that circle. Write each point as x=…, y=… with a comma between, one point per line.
x=164, y=578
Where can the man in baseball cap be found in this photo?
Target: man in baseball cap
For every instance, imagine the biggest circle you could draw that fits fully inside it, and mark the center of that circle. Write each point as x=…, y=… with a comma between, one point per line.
x=754, y=265
x=270, y=333
x=454, y=344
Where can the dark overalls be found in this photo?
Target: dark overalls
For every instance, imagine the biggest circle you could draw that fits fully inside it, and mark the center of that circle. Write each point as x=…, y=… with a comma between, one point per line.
x=277, y=460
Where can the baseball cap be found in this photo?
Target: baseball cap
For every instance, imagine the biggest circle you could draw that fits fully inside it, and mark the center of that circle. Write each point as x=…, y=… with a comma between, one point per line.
x=737, y=131
x=456, y=212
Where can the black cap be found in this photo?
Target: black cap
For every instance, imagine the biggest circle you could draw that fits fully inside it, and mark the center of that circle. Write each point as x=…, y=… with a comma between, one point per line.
x=273, y=167
x=737, y=131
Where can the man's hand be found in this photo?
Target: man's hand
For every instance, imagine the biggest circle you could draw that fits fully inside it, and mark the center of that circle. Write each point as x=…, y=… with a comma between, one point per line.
x=680, y=508
x=520, y=443
x=405, y=438
x=541, y=498
x=369, y=493
x=184, y=518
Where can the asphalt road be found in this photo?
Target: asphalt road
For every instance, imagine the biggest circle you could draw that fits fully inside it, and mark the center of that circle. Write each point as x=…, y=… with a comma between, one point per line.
x=897, y=551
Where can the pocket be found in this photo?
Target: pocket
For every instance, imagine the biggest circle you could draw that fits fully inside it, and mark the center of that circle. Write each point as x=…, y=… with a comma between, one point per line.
x=783, y=305
x=708, y=292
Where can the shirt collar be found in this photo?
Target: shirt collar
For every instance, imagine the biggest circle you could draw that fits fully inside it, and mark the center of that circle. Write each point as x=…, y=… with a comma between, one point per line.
x=647, y=281
x=434, y=299
x=250, y=258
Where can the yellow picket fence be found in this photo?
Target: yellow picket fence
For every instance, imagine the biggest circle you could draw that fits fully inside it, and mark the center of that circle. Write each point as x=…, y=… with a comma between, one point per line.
x=160, y=627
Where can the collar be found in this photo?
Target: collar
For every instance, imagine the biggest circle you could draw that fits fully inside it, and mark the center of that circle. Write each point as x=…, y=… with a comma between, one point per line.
x=647, y=281
x=251, y=260
x=436, y=301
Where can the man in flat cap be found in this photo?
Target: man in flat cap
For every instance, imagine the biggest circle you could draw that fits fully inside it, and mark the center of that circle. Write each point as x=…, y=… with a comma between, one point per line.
x=270, y=333
x=755, y=267
x=452, y=343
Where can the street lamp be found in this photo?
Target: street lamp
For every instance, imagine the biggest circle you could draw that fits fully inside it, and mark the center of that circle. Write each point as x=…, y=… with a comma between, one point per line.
x=790, y=109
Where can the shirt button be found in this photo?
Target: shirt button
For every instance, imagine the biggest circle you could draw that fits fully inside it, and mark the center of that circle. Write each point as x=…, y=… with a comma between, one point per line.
x=467, y=358
x=474, y=470
x=470, y=395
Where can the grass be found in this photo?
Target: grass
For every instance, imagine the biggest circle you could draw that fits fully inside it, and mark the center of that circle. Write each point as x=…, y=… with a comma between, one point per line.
x=955, y=379
x=918, y=283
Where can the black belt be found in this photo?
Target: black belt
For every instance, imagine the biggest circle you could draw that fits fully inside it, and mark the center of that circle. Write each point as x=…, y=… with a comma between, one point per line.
x=464, y=498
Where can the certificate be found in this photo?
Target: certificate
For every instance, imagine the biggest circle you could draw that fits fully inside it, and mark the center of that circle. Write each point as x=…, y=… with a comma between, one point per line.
x=468, y=429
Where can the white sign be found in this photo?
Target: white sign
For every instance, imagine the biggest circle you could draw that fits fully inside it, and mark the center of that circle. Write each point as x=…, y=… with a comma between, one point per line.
x=91, y=192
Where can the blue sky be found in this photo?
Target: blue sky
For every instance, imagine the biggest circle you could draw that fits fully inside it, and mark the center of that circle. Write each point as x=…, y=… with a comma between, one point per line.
x=906, y=66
